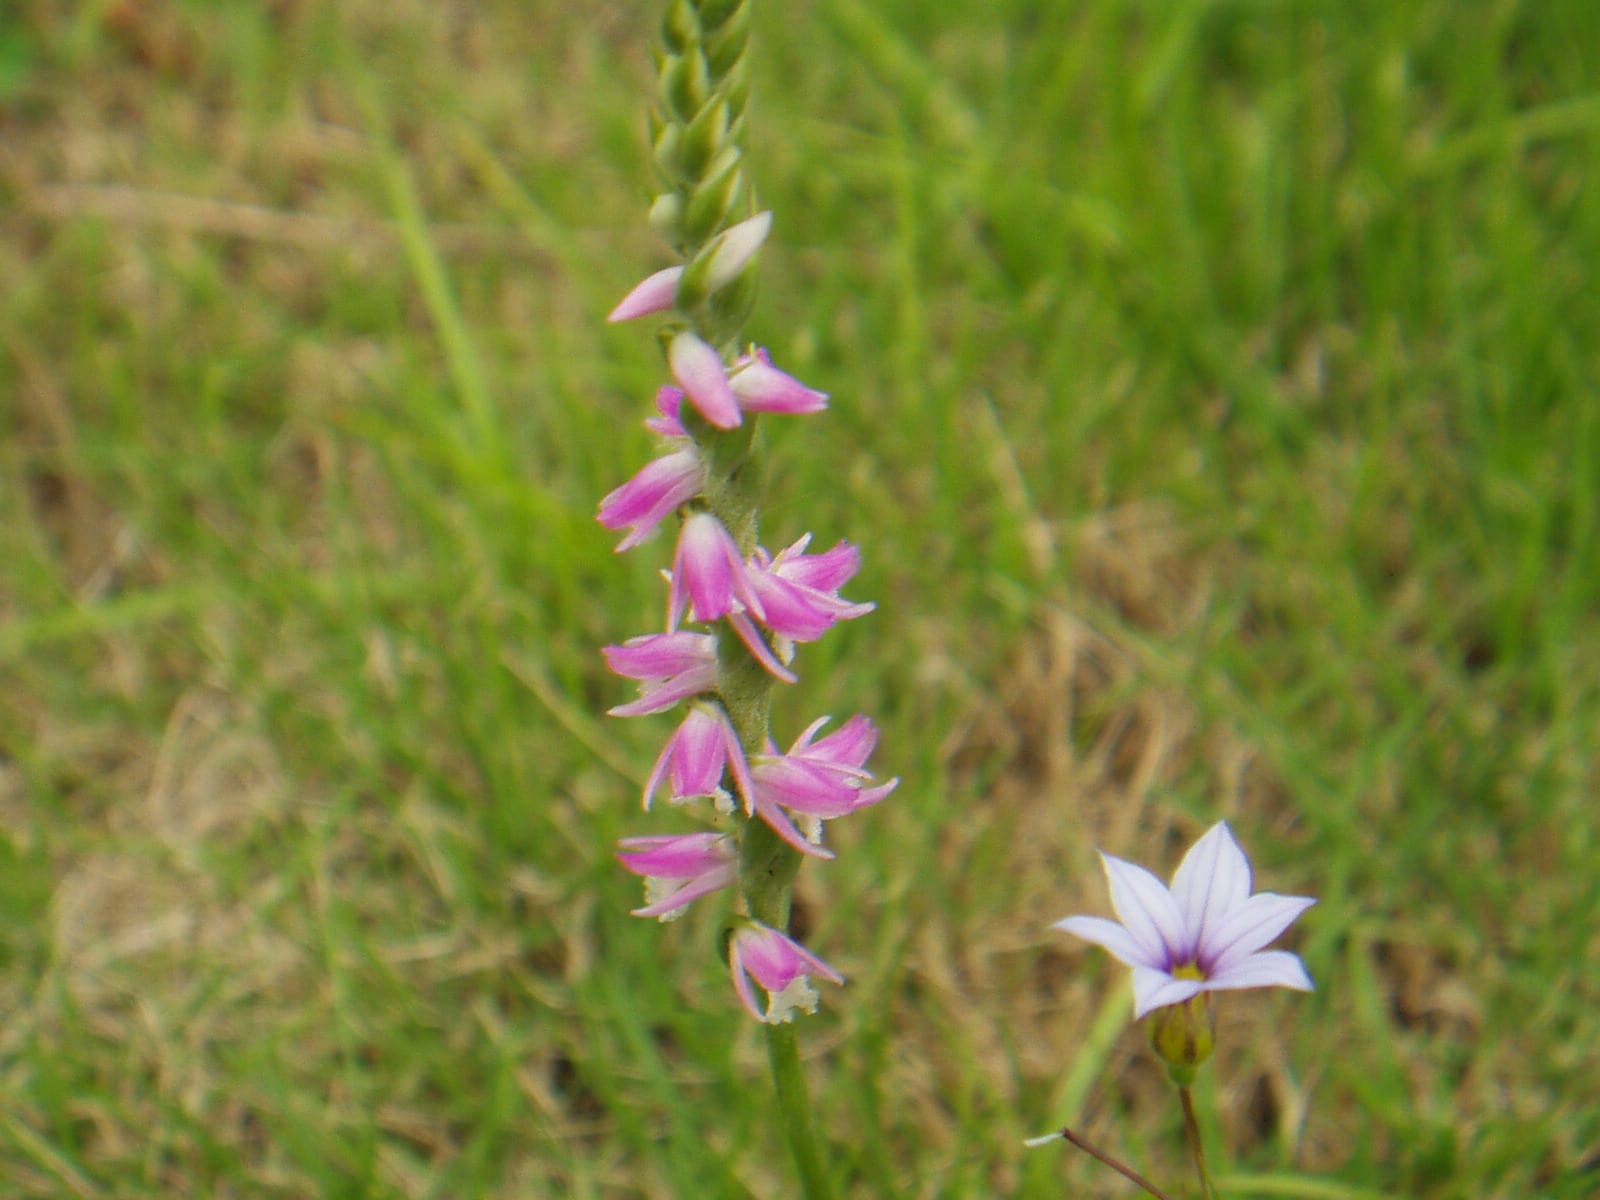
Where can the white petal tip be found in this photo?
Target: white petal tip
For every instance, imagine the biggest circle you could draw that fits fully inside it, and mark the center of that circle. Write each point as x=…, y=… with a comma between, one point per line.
x=1044, y=1139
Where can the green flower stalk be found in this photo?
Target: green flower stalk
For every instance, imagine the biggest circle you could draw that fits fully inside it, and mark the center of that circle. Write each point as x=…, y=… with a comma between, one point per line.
x=735, y=612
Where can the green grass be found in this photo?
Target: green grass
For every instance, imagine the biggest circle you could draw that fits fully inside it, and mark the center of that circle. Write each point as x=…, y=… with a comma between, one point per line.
x=1214, y=398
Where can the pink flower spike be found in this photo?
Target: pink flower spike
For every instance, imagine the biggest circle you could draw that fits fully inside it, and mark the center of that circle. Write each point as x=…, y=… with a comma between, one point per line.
x=699, y=753
x=654, y=294
x=708, y=576
x=698, y=369
x=645, y=500
x=1206, y=933
x=669, y=666
x=780, y=965
x=679, y=869
x=761, y=387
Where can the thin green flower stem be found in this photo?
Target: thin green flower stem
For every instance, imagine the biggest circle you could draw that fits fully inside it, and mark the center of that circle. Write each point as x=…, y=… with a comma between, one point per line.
x=1121, y=1168
x=794, y=1102
x=1192, y=1129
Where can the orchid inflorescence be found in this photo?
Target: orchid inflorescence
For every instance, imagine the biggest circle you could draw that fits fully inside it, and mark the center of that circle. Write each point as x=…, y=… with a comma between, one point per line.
x=735, y=611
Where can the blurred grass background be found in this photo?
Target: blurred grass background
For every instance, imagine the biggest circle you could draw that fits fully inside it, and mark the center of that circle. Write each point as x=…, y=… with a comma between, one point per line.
x=1214, y=401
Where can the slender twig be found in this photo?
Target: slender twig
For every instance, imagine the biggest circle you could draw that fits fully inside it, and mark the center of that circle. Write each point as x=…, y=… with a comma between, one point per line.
x=1192, y=1128
x=1120, y=1168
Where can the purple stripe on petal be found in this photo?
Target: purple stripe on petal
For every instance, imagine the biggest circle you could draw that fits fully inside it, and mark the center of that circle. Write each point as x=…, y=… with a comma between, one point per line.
x=1121, y=944
x=1146, y=908
x=1210, y=883
x=1250, y=927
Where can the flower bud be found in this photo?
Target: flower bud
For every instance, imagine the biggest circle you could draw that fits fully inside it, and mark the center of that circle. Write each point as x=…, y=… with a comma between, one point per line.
x=680, y=28
x=666, y=218
x=702, y=138
x=1184, y=1036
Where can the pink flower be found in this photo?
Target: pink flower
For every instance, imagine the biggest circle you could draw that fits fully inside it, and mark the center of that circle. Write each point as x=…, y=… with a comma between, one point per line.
x=1204, y=934
x=700, y=752
x=779, y=964
x=817, y=781
x=762, y=388
x=708, y=576
x=730, y=252
x=658, y=489
x=751, y=384
x=698, y=369
x=679, y=869
x=655, y=293
x=710, y=581
x=799, y=592
x=669, y=666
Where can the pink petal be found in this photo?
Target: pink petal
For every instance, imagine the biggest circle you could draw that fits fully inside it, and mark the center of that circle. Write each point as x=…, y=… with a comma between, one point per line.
x=867, y=797
x=706, y=566
x=826, y=572
x=698, y=369
x=738, y=766
x=763, y=388
x=660, y=695
x=757, y=645
x=734, y=248
x=741, y=977
x=667, y=424
x=702, y=885
x=656, y=655
x=674, y=856
x=788, y=610
x=812, y=792
x=701, y=756
x=646, y=499
x=658, y=772
x=815, y=966
x=780, y=824
x=849, y=745
x=775, y=959
x=656, y=293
